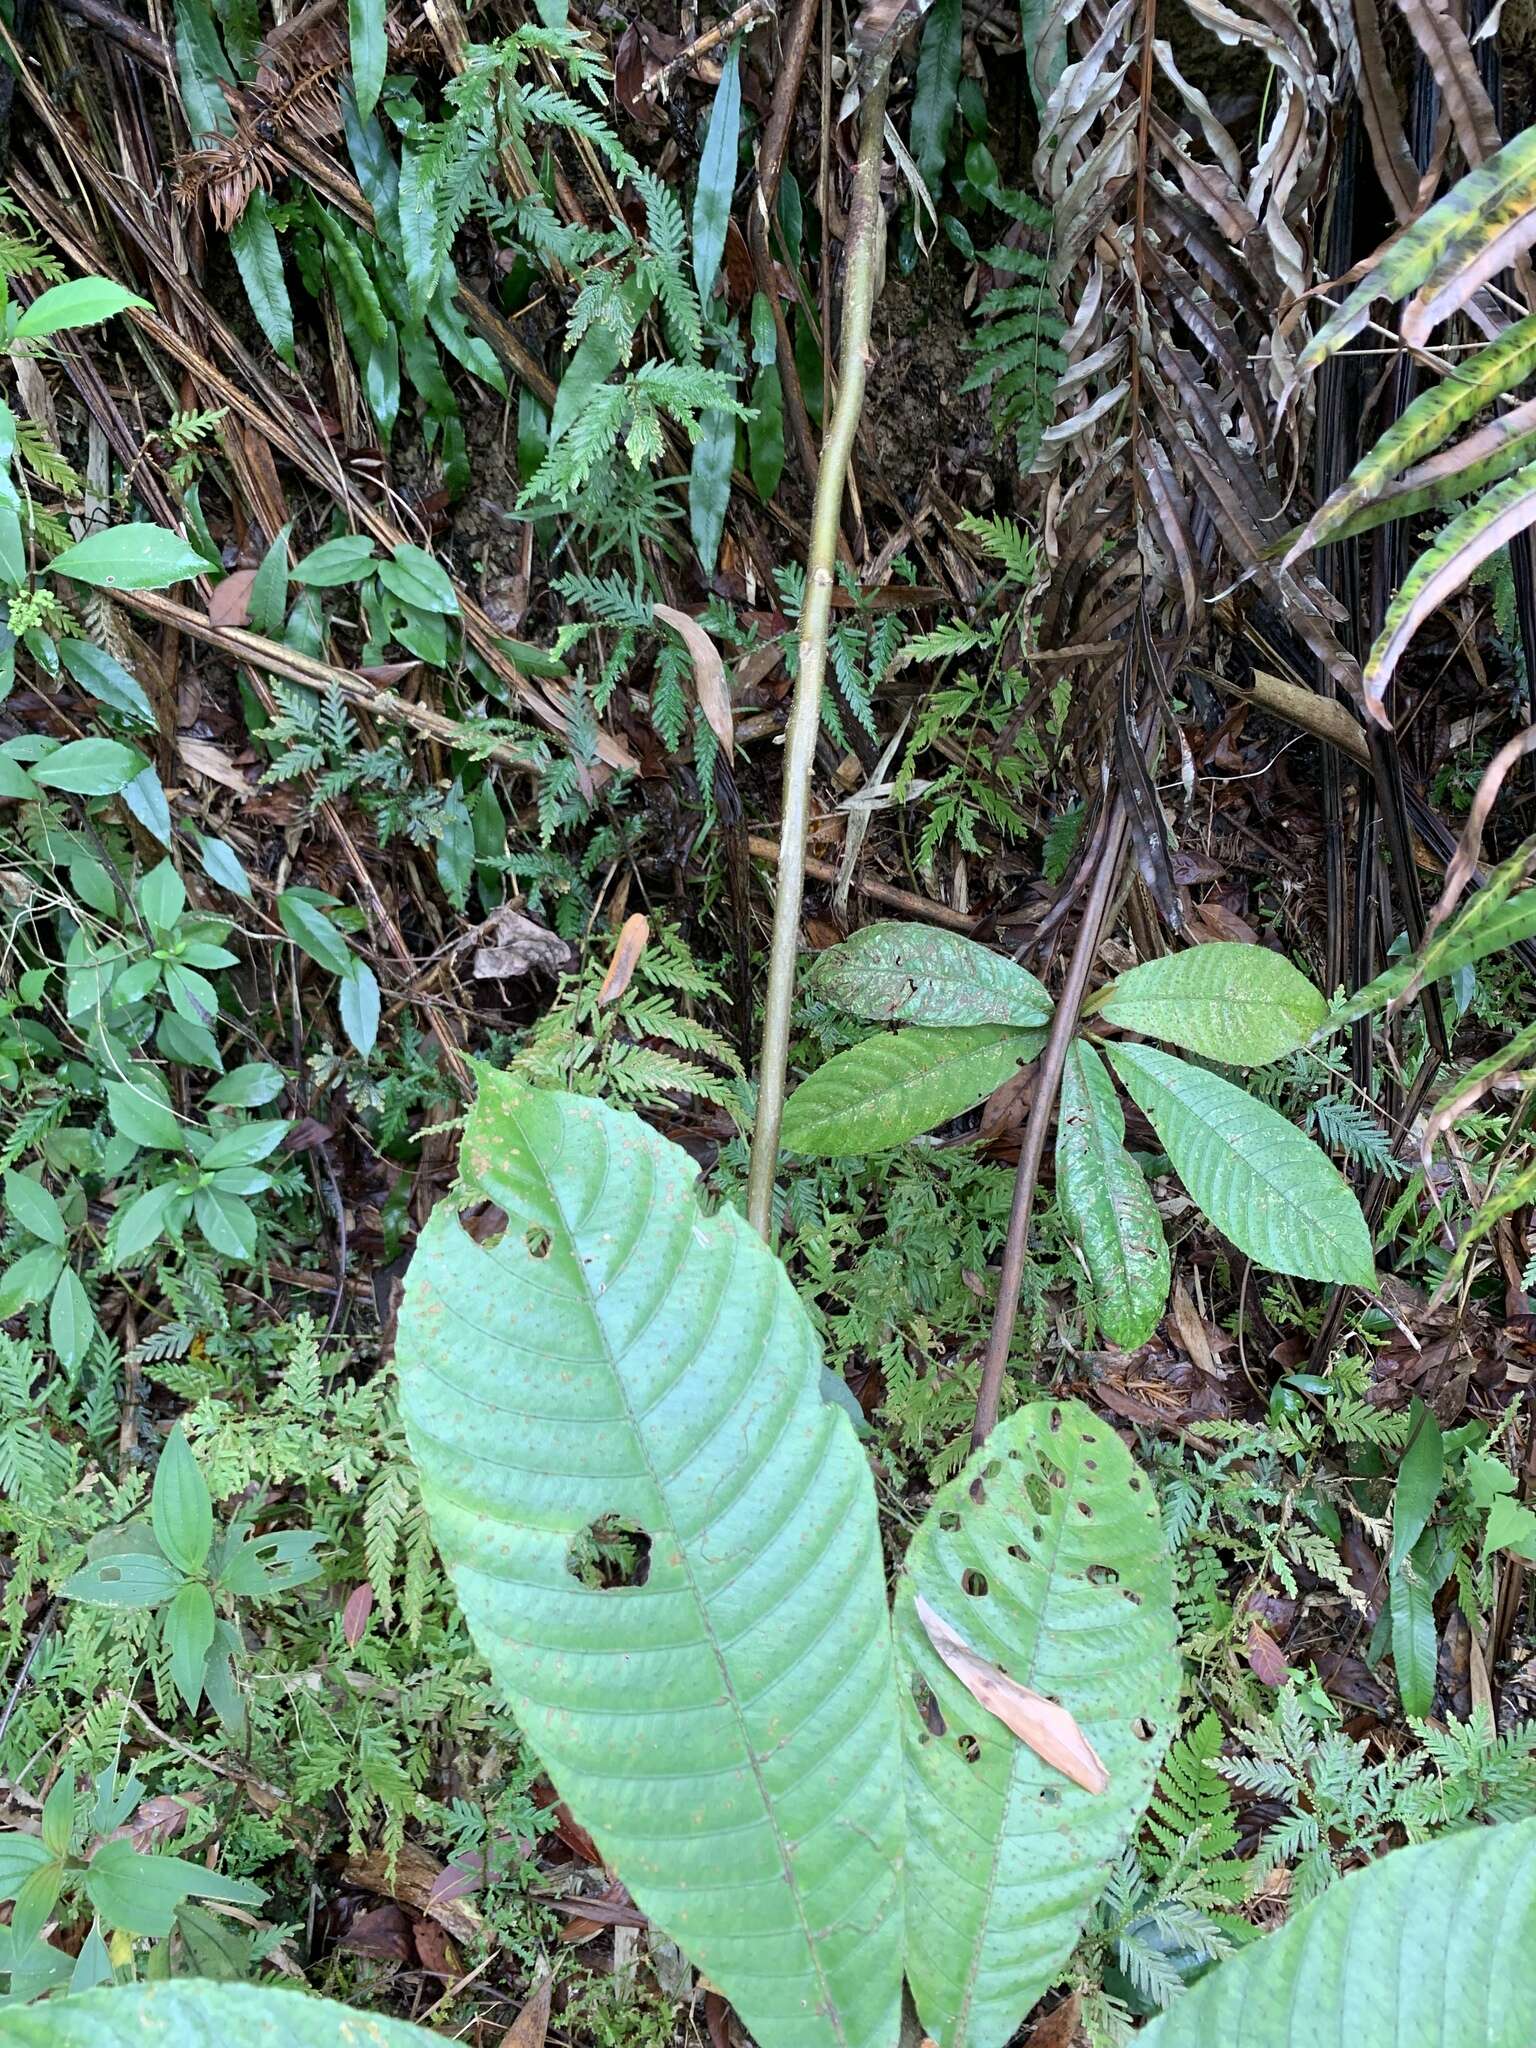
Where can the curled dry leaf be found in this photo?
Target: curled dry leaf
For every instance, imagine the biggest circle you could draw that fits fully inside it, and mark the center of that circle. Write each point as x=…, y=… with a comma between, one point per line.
x=626, y=955
x=1040, y=1724
x=708, y=673
x=515, y=945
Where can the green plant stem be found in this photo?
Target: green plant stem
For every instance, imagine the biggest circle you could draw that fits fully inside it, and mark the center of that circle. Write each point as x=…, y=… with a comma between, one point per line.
x=866, y=223
x=1053, y=1059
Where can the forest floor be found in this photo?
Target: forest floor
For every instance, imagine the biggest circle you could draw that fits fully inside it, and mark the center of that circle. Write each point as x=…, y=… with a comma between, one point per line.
x=424, y=774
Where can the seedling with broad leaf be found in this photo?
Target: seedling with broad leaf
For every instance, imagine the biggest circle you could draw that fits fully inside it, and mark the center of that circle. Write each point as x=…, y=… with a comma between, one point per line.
x=83, y=1860
x=969, y=1019
x=195, y=1575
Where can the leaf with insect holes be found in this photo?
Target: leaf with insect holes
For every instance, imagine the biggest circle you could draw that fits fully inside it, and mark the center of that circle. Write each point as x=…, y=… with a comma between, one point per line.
x=1045, y=1557
x=1264, y=1185
x=727, y=1728
x=1105, y=1198
x=891, y=1087
x=1430, y=1947
x=1242, y=1005
x=917, y=974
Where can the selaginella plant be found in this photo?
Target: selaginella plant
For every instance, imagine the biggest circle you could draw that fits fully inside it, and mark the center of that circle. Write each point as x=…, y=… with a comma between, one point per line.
x=970, y=1018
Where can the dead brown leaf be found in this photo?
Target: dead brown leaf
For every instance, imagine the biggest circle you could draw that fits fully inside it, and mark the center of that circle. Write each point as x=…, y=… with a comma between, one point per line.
x=626, y=955
x=532, y=2023
x=517, y=945
x=708, y=674
x=230, y=604
x=1042, y=1725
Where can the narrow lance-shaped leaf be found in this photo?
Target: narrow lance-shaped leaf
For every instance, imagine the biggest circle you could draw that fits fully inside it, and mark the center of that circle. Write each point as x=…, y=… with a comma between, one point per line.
x=1430, y=420
x=1480, y=219
x=1239, y=1004
x=1483, y=459
x=1261, y=1183
x=918, y=974
x=1471, y=537
x=717, y=176
x=1045, y=1556
x=1422, y=1947
x=1105, y=1198
x=619, y=1361
x=1501, y=914
x=893, y=1086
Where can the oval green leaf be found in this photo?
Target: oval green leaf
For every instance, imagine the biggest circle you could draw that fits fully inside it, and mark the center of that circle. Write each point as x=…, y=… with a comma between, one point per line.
x=1261, y=1183
x=893, y=1086
x=1057, y=1575
x=917, y=974
x=88, y=767
x=619, y=1361
x=82, y=302
x=135, y=557
x=1242, y=1005
x=1426, y=1946
x=1105, y=1198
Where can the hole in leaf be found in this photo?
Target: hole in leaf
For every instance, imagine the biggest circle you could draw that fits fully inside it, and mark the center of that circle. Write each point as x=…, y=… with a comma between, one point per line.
x=1135, y=1482
x=1102, y=1575
x=1142, y=1729
x=949, y=1521
x=1055, y=1476
x=927, y=1706
x=1090, y=1464
x=1055, y=1422
x=977, y=1491
x=609, y=1554
x=969, y=1748
x=537, y=1240
x=1132, y=1595
x=1039, y=1494
x=1049, y=1796
x=991, y=1470
x=1017, y=1550
x=484, y=1224
x=974, y=1583
x=1085, y=1511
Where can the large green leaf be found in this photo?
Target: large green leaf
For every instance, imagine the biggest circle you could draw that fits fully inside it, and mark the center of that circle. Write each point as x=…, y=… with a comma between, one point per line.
x=1433, y=1947
x=1262, y=1183
x=1242, y=1005
x=918, y=974
x=892, y=1086
x=1104, y=1196
x=1056, y=1574
x=194, y=2015
x=620, y=1362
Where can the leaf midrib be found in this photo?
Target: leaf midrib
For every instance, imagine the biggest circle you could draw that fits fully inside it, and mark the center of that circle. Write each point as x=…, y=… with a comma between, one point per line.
x=829, y=2003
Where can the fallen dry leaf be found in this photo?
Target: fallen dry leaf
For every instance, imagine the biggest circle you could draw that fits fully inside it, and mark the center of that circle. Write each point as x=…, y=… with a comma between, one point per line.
x=1266, y=1659
x=1040, y=1724
x=708, y=674
x=532, y=2023
x=204, y=758
x=230, y=604
x=626, y=955
x=354, y=1616
x=517, y=945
